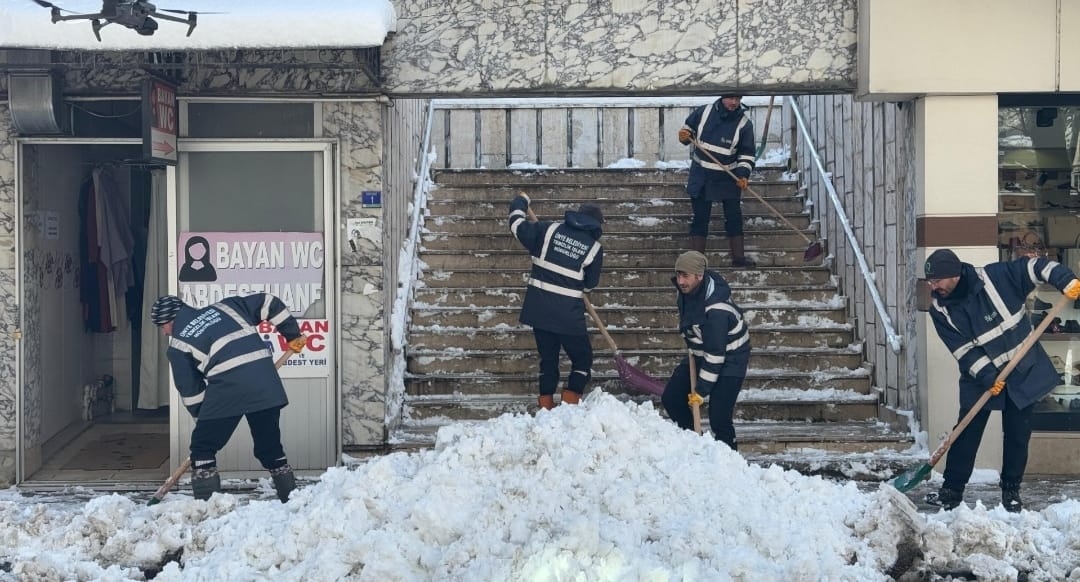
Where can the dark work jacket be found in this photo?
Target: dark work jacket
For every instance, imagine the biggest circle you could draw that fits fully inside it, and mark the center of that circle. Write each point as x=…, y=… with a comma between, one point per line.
x=219, y=362
x=566, y=263
x=984, y=322
x=714, y=329
x=729, y=137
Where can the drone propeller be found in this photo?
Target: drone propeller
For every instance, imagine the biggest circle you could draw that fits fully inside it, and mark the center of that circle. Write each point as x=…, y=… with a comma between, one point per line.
x=182, y=11
x=45, y=4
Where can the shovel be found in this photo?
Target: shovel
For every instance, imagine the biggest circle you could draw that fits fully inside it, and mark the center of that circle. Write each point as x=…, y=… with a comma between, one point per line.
x=179, y=472
x=695, y=400
x=910, y=478
x=814, y=248
x=632, y=377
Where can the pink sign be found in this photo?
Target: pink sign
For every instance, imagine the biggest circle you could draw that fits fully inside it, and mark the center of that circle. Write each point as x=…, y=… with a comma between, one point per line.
x=214, y=265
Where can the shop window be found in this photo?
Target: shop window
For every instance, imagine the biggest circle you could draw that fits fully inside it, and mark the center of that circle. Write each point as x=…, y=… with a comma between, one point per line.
x=250, y=120
x=106, y=118
x=1039, y=214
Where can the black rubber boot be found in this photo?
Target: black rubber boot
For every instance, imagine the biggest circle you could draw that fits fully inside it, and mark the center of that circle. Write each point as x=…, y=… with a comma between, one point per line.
x=205, y=482
x=739, y=259
x=945, y=498
x=1010, y=497
x=284, y=481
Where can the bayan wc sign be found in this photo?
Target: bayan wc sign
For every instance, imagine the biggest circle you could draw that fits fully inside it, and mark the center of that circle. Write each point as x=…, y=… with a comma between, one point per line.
x=214, y=265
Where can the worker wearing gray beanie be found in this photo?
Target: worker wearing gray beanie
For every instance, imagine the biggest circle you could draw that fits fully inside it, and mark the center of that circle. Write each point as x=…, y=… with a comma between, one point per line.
x=718, y=338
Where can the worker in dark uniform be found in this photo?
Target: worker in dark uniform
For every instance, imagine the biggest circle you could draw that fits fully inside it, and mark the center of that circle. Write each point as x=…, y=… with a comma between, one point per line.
x=566, y=263
x=717, y=335
x=223, y=372
x=723, y=130
x=980, y=315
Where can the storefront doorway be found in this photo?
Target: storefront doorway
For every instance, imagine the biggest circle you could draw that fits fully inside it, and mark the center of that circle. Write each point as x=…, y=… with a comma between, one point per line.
x=252, y=216
x=86, y=223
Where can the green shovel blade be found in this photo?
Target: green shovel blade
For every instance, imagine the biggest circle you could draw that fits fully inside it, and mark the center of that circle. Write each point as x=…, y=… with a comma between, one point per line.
x=153, y=501
x=912, y=477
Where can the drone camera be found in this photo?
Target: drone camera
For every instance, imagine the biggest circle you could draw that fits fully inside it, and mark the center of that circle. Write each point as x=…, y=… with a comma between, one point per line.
x=147, y=27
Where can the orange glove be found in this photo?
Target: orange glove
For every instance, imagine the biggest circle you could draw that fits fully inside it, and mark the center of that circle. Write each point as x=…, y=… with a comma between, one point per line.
x=1072, y=290
x=297, y=345
x=742, y=183
x=997, y=387
x=696, y=399
x=684, y=136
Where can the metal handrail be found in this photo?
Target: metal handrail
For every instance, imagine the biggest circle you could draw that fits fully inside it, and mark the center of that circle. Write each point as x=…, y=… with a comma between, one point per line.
x=895, y=341
x=399, y=319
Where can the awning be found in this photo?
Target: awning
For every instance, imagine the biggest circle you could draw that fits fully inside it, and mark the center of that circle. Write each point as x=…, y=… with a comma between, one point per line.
x=241, y=24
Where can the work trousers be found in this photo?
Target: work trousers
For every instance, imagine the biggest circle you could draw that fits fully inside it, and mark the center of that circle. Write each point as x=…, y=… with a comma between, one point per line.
x=210, y=436
x=1016, y=429
x=702, y=207
x=578, y=349
x=721, y=403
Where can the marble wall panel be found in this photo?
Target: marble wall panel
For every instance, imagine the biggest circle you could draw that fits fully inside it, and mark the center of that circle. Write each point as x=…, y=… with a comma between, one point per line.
x=614, y=47
x=808, y=43
x=9, y=304
x=357, y=125
x=362, y=370
x=220, y=72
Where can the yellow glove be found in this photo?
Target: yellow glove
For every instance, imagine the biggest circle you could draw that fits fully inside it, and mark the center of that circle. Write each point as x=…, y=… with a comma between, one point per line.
x=742, y=183
x=997, y=387
x=297, y=345
x=1072, y=290
x=696, y=399
x=684, y=136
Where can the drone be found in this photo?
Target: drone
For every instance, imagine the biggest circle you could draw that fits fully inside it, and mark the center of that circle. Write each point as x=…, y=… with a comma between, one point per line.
x=137, y=15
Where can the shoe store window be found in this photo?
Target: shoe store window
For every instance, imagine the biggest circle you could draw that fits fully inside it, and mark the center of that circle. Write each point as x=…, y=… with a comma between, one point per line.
x=1039, y=215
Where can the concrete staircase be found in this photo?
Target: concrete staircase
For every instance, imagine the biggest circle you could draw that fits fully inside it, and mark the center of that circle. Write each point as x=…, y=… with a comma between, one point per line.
x=468, y=358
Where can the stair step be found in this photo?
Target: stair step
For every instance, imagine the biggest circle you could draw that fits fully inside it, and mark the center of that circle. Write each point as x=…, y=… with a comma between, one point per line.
x=658, y=362
x=756, y=314
x=759, y=438
x=831, y=406
x=777, y=277
x=557, y=210
x=576, y=176
x=463, y=223
x=646, y=258
x=615, y=242
x=782, y=191
x=521, y=337
x=602, y=297
x=857, y=380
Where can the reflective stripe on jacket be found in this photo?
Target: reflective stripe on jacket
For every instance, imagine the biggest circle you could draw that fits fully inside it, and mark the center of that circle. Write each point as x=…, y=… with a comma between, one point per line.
x=566, y=262
x=714, y=330
x=221, y=364
x=984, y=326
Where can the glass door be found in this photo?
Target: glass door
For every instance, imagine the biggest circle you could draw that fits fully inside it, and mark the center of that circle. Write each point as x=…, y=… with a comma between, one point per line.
x=250, y=217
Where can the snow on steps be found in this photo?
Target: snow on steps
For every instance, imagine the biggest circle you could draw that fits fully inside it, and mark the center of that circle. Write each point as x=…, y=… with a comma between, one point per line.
x=469, y=359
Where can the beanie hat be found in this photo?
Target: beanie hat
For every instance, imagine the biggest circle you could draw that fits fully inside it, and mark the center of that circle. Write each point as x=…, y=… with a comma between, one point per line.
x=691, y=263
x=731, y=95
x=165, y=309
x=593, y=211
x=942, y=264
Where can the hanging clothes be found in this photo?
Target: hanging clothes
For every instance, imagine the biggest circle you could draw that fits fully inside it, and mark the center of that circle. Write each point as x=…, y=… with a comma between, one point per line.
x=153, y=367
x=105, y=251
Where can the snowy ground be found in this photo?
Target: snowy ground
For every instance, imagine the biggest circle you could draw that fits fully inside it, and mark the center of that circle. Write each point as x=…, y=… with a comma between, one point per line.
x=602, y=491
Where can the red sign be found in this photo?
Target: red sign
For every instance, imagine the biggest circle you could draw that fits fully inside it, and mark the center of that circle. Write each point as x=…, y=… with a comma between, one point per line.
x=159, y=121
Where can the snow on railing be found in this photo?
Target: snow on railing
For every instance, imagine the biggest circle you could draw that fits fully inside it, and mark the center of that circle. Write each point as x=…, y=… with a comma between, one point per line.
x=895, y=341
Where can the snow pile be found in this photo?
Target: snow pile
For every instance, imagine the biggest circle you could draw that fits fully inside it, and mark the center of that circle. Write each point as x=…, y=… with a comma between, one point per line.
x=602, y=491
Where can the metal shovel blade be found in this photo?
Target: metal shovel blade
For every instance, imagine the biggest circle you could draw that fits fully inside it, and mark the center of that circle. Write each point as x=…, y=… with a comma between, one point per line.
x=907, y=480
x=637, y=380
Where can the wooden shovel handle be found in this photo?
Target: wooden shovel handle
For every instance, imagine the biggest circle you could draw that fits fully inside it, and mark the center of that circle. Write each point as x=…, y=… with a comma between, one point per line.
x=183, y=468
x=772, y=208
x=695, y=409
x=600, y=324
x=1013, y=362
